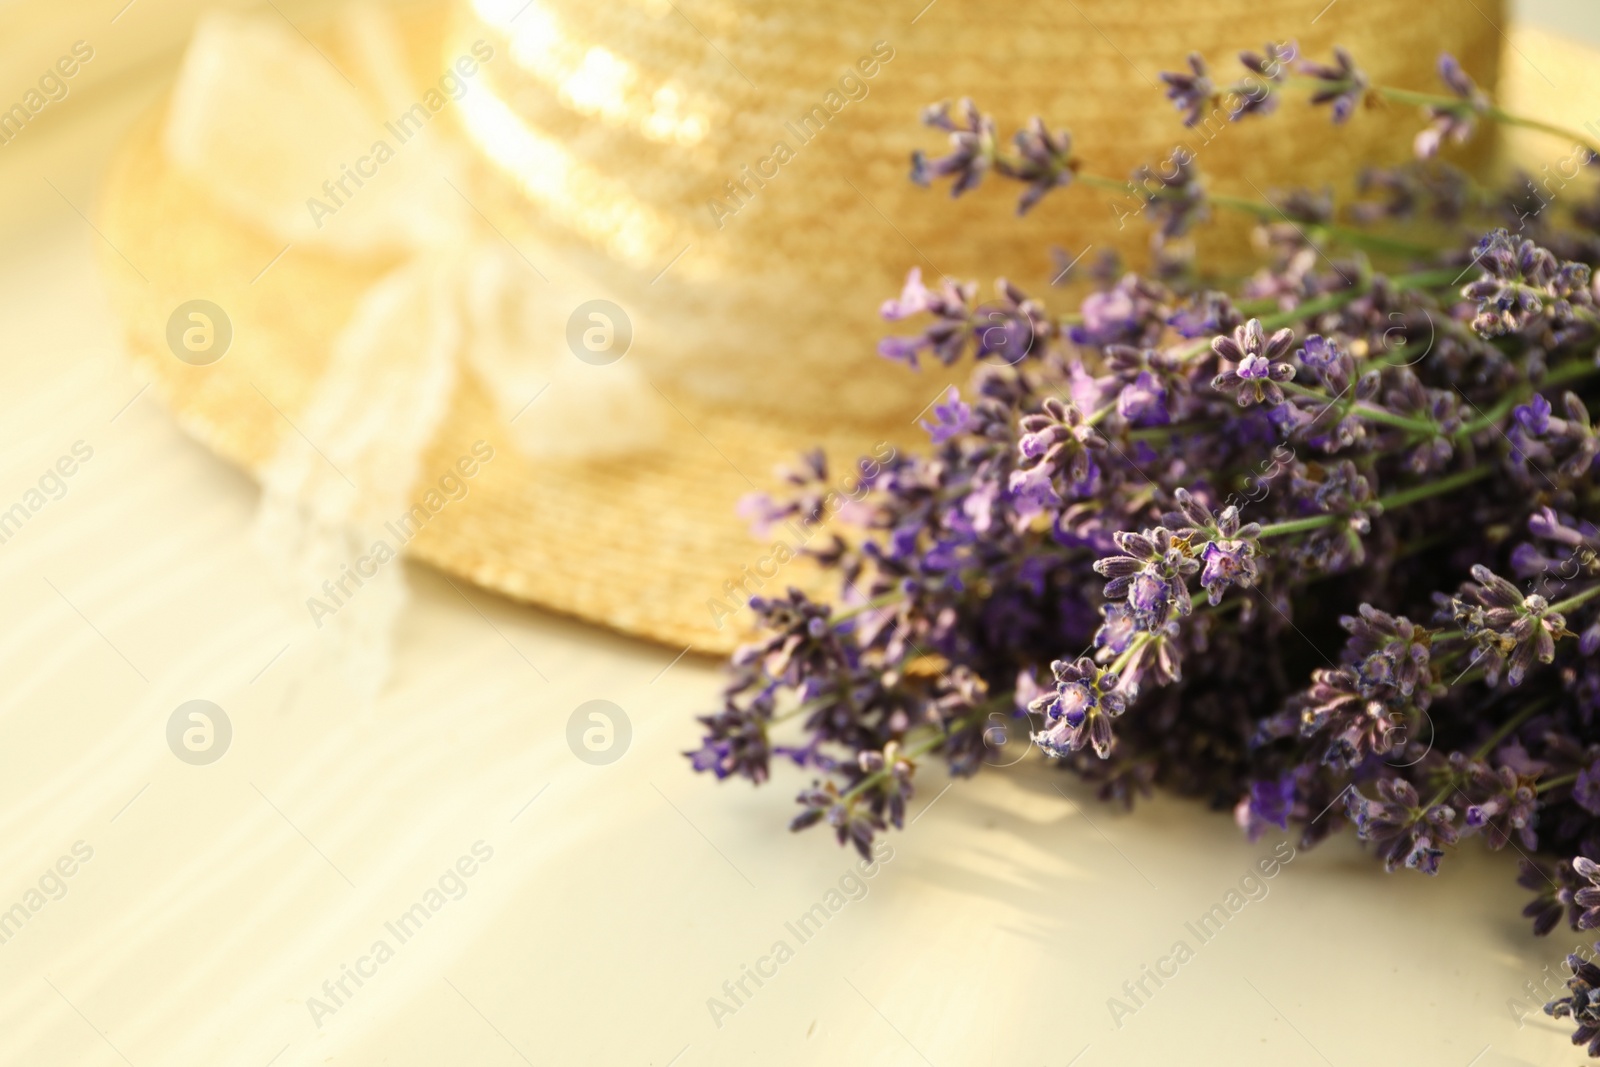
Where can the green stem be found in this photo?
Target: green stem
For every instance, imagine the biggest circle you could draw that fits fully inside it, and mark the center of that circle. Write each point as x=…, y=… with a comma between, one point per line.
x=1120, y=664
x=871, y=605
x=1554, y=783
x=804, y=709
x=1568, y=372
x=1498, y=114
x=1376, y=242
x=1500, y=734
x=923, y=747
x=1293, y=526
x=1095, y=181
x=1387, y=503
x=1269, y=212
x=1506, y=118
x=1564, y=606
x=1428, y=489
x=1424, y=279
x=1504, y=730
x=1157, y=433
x=1371, y=412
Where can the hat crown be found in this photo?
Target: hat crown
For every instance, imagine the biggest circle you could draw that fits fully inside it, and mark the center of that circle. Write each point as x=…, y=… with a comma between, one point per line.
x=766, y=144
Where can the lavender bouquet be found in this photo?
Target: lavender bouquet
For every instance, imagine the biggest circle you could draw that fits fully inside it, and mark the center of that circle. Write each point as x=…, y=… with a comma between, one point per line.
x=1317, y=545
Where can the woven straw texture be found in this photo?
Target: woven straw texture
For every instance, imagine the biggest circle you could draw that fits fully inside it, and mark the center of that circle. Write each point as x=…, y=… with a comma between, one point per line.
x=758, y=334
x=656, y=107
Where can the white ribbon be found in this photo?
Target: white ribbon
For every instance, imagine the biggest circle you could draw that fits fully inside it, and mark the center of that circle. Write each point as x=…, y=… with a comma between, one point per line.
x=262, y=121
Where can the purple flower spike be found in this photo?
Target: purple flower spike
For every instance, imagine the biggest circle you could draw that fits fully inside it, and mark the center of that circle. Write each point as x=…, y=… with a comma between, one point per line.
x=1319, y=352
x=1045, y=162
x=1227, y=563
x=1523, y=283
x=1589, y=644
x=1210, y=313
x=1143, y=401
x=951, y=305
x=1534, y=416
x=1230, y=548
x=1453, y=121
x=1342, y=84
x=1588, y=898
x=1582, y=1002
x=1586, y=790
x=1554, y=891
x=950, y=418
x=1272, y=800
x=1254, y=378
x=1079, y=710
x=1056, y=453
x=1191, y=93
x=971, y=147
x=1402, y=832
x=1506, y=626
x=1174, y=201
x=1390, y=654
x=1150, y=576
x=1270, y=66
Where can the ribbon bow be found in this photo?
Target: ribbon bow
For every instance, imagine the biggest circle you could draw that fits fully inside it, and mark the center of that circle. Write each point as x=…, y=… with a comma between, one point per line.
x=289, y=145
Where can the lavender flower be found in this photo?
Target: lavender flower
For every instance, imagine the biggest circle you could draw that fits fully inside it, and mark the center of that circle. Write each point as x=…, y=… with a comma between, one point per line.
x=1153, y=379
x=852, y=824
x=1505, y=807
x=1506, y=626
x=1342, y=84
x=1573, y=434
x=1123, y=314
x=1230, y=549
x=971, y=147
x=1191, y=93
x=1320, y=355
x=1045, y=162
x=1389, y=652
x=1431, y=433
x=1270, y=66
x=897, y=772
x=1209, y=313
x=950, y=418
x=1554, y=891
x=1402, y=831
x=1055, y=454
x=1175, y=201
x=1150, y=575
x=1521, y=281
x=1079, y=710
x=1455, y=121
x=946, y=339
x=1343, y=719
x=1009, y=328
x=735, y=743
x=1269, y=802
x=1581, y=1004
x=1256, y=372
x=1588, y=897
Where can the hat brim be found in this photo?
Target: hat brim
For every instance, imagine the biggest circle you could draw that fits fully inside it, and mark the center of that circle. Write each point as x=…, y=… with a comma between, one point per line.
x=649, y=544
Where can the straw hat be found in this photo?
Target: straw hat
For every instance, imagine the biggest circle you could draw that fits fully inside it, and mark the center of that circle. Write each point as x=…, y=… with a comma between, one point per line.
x=536, y=291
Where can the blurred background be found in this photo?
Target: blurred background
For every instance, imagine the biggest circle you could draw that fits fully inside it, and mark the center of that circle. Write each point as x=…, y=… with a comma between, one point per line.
x=136, y=59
